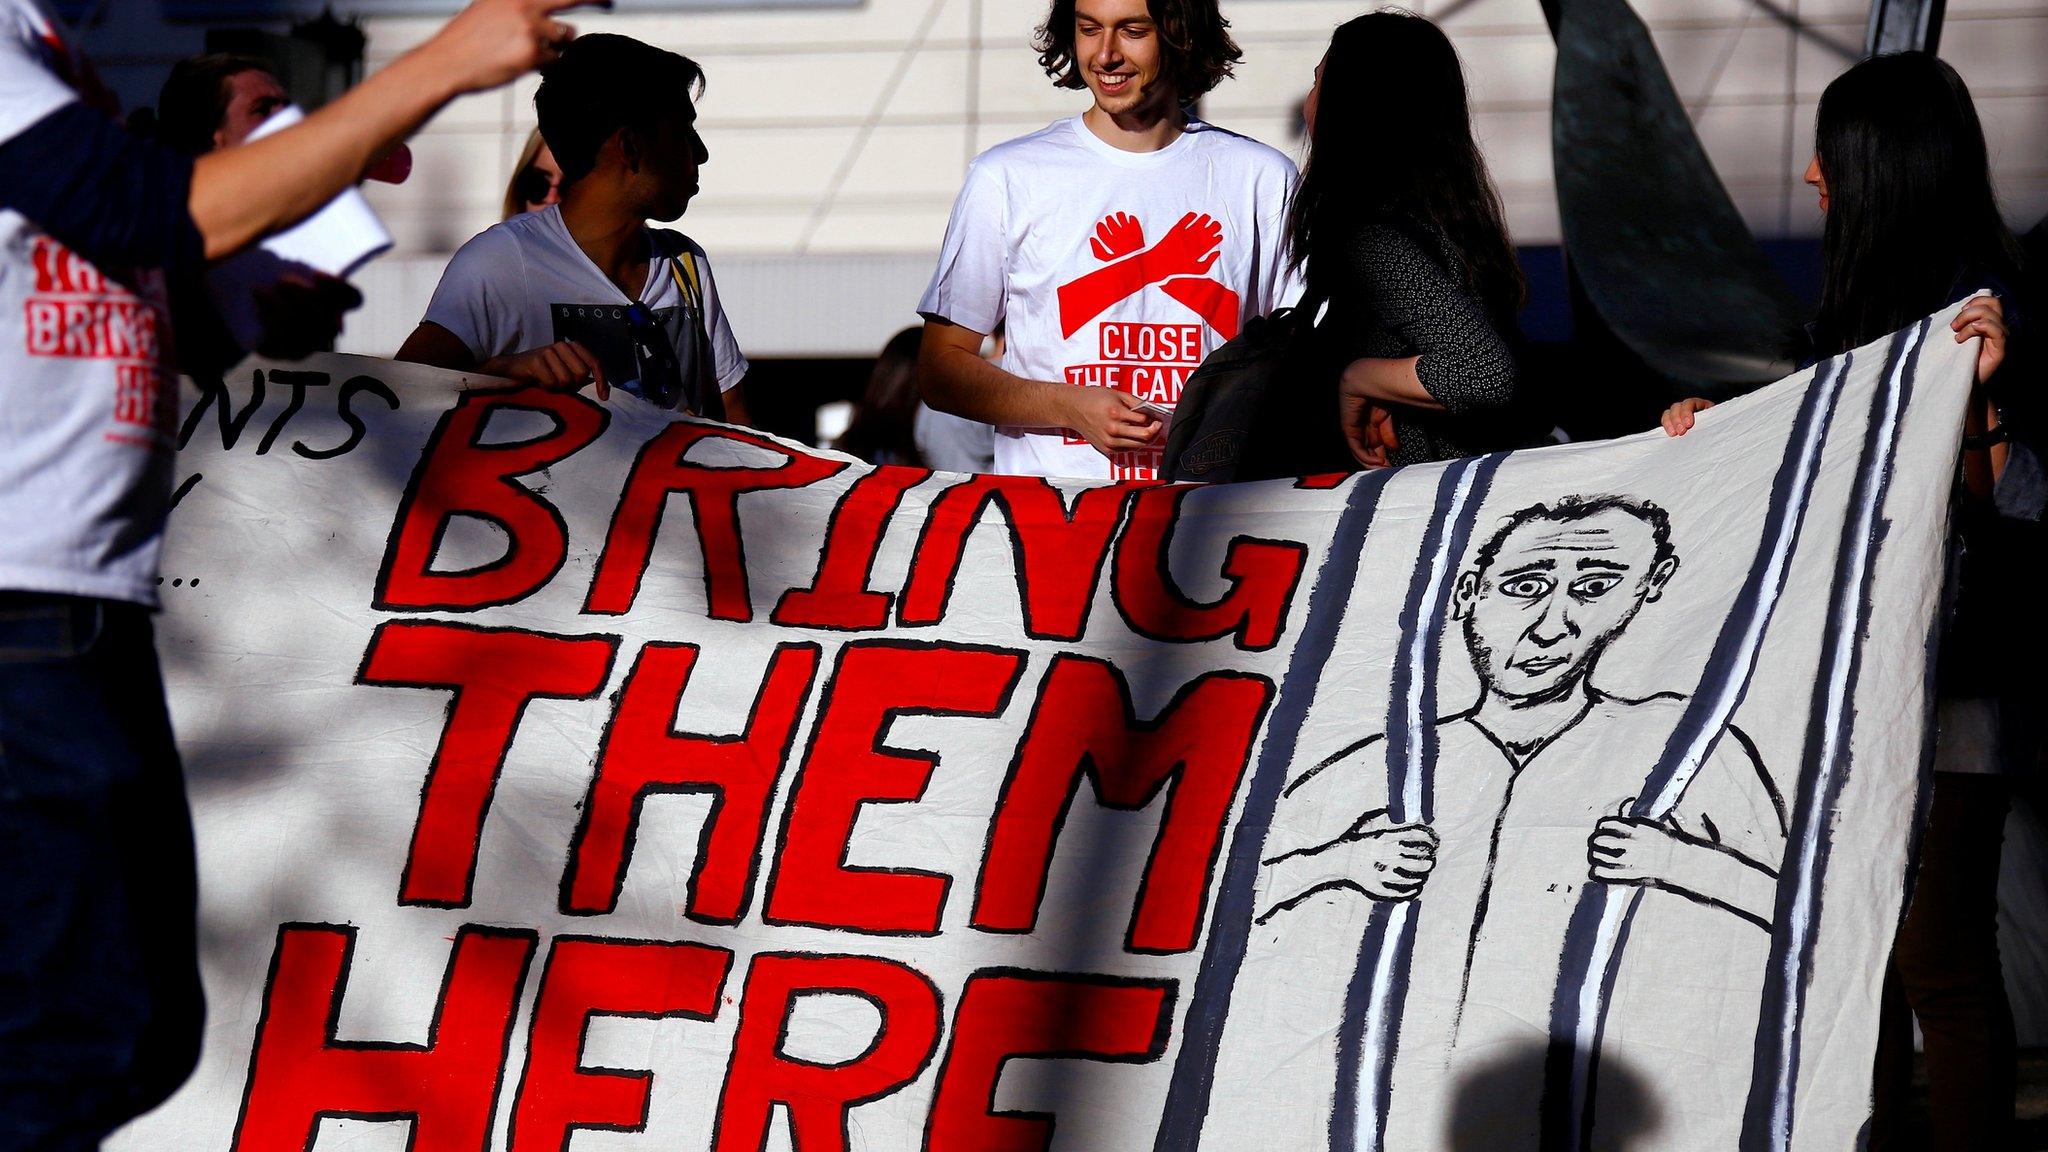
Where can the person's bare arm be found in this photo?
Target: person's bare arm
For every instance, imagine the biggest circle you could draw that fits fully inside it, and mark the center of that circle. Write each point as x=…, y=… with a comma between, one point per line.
x=239, y=195
x=1983, y=318
x=1386, y=379
x=563, y=364
x=436, y=347
x=954, y=378
x=736, y=405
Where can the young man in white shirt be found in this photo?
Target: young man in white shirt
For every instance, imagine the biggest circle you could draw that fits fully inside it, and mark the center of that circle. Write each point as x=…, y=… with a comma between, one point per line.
x=583, y=291
x=1119, y=247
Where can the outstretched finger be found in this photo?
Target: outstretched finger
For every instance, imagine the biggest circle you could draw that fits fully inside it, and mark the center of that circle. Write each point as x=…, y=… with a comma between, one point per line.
x=594, y=369
x=581, y=361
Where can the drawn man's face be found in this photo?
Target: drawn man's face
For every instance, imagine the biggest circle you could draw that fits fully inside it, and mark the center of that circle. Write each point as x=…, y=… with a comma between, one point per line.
x=1556, y=594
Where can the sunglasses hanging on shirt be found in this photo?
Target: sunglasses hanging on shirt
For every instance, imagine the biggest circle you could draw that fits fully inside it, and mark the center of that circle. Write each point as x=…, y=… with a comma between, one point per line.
x=661, y=377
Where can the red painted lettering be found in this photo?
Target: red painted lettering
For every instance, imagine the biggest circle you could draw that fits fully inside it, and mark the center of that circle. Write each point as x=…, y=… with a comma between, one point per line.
x=643, y=756
x=821, y=1097
x=1058, y=553
x=447, y=1087
x=460, y=476
x=849, y=766
x=839, y=598
x=1262, y=575
x=1084, y=727
x=714, y=495
x=586, y=978
x=1006, y=1015
x=495, y=674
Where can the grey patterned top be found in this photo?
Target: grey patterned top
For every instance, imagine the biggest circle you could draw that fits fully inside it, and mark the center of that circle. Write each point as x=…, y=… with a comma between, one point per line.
x=1391, y=298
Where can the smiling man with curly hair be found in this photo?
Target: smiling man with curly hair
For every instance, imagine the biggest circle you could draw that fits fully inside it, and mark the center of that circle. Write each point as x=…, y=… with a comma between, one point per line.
x=1119, y=247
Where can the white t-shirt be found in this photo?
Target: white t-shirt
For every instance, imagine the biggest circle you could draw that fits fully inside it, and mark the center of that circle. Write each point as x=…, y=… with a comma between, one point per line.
x=524, y=284
x=1112, y=269
x=87, y=417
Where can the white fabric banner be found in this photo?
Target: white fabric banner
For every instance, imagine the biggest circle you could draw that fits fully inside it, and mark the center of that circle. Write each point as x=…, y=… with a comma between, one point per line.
x=570, y=778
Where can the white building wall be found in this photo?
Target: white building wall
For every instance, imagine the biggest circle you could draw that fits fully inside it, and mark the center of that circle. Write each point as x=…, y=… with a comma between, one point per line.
x=843, y=132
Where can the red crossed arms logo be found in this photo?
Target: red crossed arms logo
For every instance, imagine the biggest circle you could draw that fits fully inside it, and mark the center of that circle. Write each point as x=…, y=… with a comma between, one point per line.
x=1179, y=264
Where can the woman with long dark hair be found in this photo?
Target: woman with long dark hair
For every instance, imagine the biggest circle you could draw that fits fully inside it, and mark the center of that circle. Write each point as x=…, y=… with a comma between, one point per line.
x=1912, y=225
x=883, y=430
x=1396, y=222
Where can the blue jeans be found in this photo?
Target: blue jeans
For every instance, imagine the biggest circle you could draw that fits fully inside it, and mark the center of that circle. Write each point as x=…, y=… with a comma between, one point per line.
x=100, y=1003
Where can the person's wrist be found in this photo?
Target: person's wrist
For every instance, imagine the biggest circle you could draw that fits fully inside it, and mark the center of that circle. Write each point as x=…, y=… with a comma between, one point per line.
x=1065, y=402
x=432, y=71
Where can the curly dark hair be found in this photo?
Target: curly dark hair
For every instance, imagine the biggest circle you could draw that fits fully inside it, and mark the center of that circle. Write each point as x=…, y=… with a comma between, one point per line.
x=1199, y=52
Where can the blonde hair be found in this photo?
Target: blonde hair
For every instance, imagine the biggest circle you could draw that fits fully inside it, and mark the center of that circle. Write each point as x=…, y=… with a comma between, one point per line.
x=514, y=204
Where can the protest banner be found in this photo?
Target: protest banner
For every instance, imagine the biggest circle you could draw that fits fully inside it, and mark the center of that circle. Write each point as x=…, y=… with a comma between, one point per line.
x=571, y=777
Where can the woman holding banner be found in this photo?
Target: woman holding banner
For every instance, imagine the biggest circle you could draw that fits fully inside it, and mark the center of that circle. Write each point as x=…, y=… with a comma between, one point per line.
x=1912, y=223
x=1398, y=226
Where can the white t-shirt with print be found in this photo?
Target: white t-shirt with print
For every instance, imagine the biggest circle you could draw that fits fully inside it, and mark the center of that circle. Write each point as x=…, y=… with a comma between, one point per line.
x=1112, y=269
x=87, y=416
x=524, y=284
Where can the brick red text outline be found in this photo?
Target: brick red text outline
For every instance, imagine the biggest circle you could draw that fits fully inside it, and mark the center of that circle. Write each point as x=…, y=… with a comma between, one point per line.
x=878, y=746
x=959, y=510
x=1068, y=666
x=487, y=404
x=808, y=654
x=707, y=1011
x=1154, y=1048
x=497, y=769
x=348, y=934
x=838, y=598
x=1144, y=551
